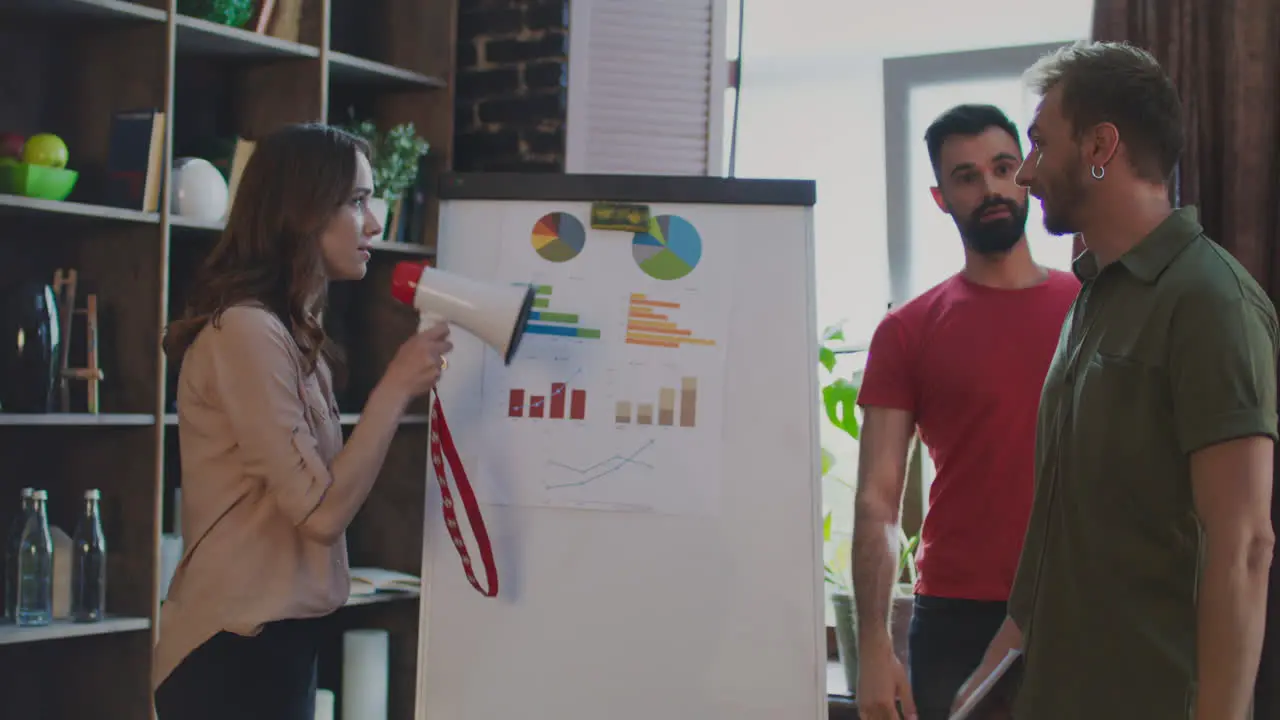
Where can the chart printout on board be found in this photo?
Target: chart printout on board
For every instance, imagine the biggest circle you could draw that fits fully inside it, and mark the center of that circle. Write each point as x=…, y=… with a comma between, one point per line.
x=616, y=398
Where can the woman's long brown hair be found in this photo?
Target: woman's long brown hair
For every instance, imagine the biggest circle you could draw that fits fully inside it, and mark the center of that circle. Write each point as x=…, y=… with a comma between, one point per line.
x=270, y=252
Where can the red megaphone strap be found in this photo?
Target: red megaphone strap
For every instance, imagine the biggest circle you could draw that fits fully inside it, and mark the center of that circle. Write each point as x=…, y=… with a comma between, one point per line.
x=442, y=449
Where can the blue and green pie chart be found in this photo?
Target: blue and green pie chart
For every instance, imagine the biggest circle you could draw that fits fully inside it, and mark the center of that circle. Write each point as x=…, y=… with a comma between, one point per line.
x=670, y=249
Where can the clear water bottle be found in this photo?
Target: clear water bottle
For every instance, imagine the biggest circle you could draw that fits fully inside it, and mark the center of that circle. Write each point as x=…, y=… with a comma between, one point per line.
x=35, y=566
x=11, y=554
x=89, y=563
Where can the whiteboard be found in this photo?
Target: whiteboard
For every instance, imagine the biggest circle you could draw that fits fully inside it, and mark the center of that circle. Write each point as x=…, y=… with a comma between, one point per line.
x=680, y=577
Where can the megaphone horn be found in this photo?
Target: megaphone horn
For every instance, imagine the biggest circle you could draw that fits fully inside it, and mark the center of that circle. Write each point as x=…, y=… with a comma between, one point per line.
x=495, y=313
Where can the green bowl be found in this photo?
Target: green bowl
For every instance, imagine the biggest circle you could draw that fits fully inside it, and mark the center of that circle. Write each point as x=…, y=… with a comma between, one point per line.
x=37, y=181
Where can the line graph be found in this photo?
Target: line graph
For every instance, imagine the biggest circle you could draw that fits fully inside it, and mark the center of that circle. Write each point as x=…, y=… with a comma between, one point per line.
x=608, y=466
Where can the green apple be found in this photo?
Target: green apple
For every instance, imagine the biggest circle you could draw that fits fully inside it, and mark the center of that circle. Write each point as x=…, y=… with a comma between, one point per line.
x=45, y=149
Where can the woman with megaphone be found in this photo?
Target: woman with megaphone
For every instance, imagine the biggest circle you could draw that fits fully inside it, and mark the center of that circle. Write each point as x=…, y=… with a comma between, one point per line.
x=269, y=487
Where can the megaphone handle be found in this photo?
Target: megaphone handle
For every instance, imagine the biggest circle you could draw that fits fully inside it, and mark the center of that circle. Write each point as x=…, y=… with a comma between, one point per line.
x=426, y=320
x=442, y=450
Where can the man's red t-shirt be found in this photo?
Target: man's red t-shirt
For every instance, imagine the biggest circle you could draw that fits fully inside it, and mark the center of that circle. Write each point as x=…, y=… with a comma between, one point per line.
x=969, y=362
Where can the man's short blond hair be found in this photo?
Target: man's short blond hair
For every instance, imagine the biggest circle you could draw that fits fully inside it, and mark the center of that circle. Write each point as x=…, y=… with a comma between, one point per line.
x=1121, y=84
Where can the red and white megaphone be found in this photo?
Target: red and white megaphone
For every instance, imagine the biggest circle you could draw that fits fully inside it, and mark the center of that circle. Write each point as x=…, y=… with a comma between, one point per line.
x=495, y=313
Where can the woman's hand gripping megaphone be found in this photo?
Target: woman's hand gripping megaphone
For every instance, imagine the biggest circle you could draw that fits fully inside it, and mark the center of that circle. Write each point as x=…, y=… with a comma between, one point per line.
x=418, y=363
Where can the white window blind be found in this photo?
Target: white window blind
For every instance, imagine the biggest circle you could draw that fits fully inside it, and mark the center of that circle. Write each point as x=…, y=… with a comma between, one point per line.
x=647, y=85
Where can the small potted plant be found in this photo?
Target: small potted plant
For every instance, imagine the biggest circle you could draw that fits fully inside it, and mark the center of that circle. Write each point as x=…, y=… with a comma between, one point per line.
x=836, y=572
x=839, y=400
x=395, y=162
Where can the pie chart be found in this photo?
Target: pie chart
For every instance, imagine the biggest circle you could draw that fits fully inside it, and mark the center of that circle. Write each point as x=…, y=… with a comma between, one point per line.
x=558, y=237
x=670, y=250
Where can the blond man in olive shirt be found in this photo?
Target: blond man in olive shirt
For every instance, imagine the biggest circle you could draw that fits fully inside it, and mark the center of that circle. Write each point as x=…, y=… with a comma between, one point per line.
x=1141, y=591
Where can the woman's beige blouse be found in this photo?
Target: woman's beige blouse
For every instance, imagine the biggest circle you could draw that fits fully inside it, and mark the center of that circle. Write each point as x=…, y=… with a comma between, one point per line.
x=255, y=464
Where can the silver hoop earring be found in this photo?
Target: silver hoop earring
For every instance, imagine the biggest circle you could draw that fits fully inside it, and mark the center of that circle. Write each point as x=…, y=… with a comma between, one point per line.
x=1097, y=172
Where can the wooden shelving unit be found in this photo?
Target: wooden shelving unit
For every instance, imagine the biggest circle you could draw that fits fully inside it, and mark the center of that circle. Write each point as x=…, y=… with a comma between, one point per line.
x=65, y=67
x=63, y=629
x=79, y=420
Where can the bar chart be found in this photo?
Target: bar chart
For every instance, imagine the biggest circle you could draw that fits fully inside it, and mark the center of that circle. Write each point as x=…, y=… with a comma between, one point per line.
x=648, y=324
x=674, y=404
x=545, y=321
x=524, y=403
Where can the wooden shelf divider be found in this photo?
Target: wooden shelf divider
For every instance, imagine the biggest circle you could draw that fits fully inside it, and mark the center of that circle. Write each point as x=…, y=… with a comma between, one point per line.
x=63, y=629
x=201, y=37
x=18, y=204
x=77, y=420
x=75, y=63
x=92, y=9
x=349, y=69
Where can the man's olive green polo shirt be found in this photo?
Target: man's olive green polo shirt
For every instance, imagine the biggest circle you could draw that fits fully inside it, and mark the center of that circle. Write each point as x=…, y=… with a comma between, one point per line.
x=1167, y=350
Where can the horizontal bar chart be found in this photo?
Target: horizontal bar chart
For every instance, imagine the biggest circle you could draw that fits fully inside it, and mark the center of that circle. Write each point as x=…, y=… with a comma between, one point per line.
x=647, y=326
x=543, y=321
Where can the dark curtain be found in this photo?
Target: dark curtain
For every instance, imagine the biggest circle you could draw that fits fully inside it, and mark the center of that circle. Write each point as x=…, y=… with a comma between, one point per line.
x=1224, y=56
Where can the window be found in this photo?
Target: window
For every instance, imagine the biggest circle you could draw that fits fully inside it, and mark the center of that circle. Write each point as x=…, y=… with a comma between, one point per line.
x=925, y=247
x=794, y=125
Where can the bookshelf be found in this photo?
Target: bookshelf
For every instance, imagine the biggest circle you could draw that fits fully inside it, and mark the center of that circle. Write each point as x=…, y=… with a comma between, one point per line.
x=66, y=66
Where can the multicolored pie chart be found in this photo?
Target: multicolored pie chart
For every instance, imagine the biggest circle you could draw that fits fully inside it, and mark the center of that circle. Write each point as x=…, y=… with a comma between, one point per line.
x=558, y=237
x=670, y=250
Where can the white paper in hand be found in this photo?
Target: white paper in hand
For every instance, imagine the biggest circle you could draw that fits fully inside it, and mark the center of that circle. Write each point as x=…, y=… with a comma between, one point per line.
x=978, y=698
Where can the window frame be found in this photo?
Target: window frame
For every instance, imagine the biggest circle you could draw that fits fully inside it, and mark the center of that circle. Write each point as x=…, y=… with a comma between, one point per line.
x=901, y=76
x=583, y=18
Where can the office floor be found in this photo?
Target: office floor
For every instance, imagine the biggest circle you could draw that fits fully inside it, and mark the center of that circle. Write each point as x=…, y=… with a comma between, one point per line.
x=836, y=684
x=840, y=706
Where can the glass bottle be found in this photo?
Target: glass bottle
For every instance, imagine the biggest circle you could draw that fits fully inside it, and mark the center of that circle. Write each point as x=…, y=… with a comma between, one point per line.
x=11, y=554
x=89, y=563
x=35, y=566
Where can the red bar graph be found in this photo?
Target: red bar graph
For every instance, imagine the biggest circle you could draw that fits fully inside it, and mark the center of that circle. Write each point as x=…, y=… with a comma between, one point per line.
x=550, y=406
x=557, y=401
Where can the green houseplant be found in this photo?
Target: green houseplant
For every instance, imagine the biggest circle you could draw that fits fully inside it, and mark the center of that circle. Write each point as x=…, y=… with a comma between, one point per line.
x=840, y=408
x=396, y=153
x=233, y=13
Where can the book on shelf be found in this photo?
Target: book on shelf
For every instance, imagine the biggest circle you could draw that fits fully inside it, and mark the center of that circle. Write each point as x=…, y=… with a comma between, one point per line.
x=371, y=580
x=135, y=160
x=285, y=20
x=266, y=11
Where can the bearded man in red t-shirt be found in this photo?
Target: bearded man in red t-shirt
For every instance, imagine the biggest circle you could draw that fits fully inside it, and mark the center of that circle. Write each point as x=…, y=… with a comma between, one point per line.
x=963, y=364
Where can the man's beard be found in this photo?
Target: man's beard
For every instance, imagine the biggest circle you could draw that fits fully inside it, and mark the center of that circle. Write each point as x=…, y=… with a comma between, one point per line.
x=995, y=236
x=1059, y=201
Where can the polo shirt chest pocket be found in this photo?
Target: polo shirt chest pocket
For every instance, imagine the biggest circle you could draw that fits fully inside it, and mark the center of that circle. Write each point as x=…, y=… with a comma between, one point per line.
x=1122, y=414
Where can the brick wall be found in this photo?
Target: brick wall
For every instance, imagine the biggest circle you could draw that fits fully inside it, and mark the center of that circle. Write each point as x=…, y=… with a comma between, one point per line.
x=511, y=85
